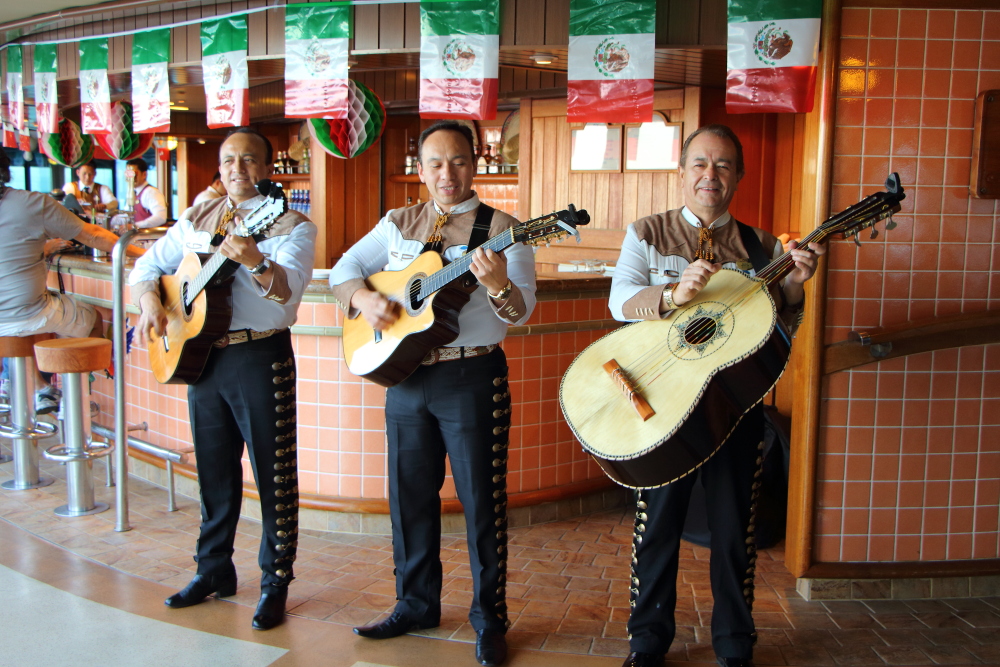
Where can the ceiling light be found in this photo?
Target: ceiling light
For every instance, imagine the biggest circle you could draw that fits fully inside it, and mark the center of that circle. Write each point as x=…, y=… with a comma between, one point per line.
x=543, y=58
x=351, y=62
x=201, y=141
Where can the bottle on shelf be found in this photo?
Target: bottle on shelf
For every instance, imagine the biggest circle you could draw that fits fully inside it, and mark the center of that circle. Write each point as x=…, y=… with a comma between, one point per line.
x=412, y=159
x=279, y=164
x=483, y=164
x=304, y=165
x=492, y=160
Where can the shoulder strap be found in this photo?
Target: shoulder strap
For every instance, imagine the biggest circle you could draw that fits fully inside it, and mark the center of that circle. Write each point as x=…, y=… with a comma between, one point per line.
x=481, y=227
x=753, y=246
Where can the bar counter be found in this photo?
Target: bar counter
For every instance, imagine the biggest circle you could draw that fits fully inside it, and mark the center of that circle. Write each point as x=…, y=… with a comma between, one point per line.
x=341, y=424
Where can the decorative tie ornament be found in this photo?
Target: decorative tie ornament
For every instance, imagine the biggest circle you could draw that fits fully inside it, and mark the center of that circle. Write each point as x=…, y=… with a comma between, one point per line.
x=705, y=250
x=435, y=239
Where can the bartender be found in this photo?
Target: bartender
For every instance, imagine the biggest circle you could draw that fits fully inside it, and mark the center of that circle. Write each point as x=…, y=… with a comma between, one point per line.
x=94, y=197
x=150, y=207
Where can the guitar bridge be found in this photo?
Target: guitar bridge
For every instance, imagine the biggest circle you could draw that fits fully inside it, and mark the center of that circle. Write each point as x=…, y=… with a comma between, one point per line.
x=617, y=373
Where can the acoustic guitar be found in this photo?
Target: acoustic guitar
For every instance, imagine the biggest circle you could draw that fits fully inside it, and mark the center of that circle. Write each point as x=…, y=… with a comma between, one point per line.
x=431, y=295
x=198, y=298
x=652, y=401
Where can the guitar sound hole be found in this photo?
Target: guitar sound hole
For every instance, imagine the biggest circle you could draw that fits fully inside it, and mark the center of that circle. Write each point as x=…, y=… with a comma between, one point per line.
x=700, y=330
x=188, y=307
x=414, y=292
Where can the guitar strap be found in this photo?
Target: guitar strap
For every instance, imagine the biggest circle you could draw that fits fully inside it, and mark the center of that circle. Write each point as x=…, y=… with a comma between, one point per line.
x=753, y=246
x=481, y=227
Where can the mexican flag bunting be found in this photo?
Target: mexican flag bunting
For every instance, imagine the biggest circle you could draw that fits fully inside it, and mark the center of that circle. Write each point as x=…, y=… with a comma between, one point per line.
x=150, y=81
x=9, y=135
x=24, y=140
x=316, y=39
x=15, y=88
x=224, y=64
x=459, y=58
x=772, y=55
x=95, y=94
x=46, y=94
x=612, y=50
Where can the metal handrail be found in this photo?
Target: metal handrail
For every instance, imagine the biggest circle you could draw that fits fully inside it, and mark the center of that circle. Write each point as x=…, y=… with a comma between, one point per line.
x=121, y=429
x=171, y=456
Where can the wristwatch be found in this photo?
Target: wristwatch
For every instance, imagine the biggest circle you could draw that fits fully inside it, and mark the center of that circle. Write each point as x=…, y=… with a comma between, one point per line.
x=503, y=293
x=260, y=268
x=668, y=296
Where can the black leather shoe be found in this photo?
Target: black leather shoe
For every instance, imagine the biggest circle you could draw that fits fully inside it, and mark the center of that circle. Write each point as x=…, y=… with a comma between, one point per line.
x=200, y=588
x=270, y=610
x=397, y=624
x=640, y=659
x=491, y=647
x=736, y=662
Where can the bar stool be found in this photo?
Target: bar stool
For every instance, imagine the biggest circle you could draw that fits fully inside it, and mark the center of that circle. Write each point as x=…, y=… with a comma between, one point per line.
x=23, y=430
x=74, y=359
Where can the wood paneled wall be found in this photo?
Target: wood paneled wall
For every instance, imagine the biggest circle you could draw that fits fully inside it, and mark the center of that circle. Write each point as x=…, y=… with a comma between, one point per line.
x=613, y=200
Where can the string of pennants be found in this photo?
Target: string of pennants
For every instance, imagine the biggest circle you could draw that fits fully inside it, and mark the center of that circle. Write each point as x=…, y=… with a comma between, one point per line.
x=609, y=72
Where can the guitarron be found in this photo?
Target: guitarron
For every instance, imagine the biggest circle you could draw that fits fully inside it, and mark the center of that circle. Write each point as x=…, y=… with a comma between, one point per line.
x=431, y=295
x=652, y=401
x=198, y=299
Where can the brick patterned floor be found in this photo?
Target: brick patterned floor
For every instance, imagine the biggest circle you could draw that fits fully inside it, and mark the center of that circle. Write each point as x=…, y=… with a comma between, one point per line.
x=567, y=590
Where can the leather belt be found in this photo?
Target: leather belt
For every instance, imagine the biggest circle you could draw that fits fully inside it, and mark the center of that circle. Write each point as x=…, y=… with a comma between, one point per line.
x=244, y=335
x=452, y=353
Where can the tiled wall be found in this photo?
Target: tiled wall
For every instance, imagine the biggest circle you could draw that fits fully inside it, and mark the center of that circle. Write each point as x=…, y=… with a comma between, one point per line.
x=910, y=448
x=341, y=425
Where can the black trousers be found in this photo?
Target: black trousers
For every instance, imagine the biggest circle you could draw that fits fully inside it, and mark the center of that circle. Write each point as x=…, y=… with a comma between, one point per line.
x=247, y=395
x=731, y=491
x=460, y=408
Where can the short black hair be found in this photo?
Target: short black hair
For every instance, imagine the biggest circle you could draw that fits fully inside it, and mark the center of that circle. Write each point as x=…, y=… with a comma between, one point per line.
x=138, y=163
x=450, y=126
x=4, y=167
x=92, y=164
x=217, y=177
x=721, y=131
x=269, y=156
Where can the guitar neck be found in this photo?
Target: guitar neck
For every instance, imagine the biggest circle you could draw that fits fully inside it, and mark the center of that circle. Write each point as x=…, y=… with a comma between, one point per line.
x=460, y=266
x=217, y=268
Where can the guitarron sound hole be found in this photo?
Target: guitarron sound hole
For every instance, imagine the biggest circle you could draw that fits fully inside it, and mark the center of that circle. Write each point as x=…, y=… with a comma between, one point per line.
x=700, y=330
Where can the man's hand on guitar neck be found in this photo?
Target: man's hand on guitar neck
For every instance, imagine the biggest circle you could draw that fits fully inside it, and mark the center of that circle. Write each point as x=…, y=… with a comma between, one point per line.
x=153, y=317
x=490, y=269
x=243, y=249
x=377, y=310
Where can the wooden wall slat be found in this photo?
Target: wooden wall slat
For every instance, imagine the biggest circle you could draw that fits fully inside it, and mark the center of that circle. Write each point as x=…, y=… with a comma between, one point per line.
x=713, y=26
x=365, y=27
x=683, y=22
x=391, y=26
x=508, y=22
x=557, y=22
x=275, y=31
x=411, y=29
x=529, y=30
x=257, y=30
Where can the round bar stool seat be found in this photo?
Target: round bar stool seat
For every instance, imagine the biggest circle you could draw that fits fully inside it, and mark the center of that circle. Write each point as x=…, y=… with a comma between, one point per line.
x=74, y=358
x=20, y=408
x=73, y=355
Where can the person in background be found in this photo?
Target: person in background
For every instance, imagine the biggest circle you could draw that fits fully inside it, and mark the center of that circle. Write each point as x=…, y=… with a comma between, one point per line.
x=150, y=206
x=32, y=224
x=213, y=191
x=666, y=260
x=97, y=197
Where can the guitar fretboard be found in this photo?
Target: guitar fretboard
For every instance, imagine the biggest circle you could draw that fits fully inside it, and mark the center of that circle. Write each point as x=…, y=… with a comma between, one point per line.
x=456, y=269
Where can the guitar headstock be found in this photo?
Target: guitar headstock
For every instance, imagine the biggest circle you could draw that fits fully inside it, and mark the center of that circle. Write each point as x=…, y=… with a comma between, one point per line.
x=552, y=226
x=260, y=219
x=868, y=211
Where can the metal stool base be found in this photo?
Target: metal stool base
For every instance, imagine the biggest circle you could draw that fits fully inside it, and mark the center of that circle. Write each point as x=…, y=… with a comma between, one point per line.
x=11, y=485
x=64, y=510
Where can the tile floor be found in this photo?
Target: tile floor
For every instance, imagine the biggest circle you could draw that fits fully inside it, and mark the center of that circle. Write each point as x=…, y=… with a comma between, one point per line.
x=567, y=590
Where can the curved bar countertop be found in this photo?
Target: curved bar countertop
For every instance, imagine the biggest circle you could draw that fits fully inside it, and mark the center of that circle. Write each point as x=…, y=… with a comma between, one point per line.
x=341, y=425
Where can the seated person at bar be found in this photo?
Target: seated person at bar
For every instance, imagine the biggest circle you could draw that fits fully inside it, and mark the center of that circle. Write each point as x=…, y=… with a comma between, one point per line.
x=91, y=195
x=246, y=394
x=28, y=221
x=666, y=259
x=458, y=402
x=213, y=191
x=150, y=206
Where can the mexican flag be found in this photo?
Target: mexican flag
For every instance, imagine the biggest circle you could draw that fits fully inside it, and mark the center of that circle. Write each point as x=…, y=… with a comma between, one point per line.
x=459, y=58
x=95, y=93
x=15, y=89
x=316, y=39
x=224, y=64
x=150, y=81
x=9, y=135
x=772, y=55
x=46, y=93
x=612, y=50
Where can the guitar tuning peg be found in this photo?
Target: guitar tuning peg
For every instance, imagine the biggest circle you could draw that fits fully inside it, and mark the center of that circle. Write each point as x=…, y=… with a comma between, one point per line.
x=891, y=224
x=874, y=233
x=857, y=240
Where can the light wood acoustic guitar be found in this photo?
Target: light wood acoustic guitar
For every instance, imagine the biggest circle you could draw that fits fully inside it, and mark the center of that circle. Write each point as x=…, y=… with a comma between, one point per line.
x=198, y=299
x=431, y=295
x=652, y=401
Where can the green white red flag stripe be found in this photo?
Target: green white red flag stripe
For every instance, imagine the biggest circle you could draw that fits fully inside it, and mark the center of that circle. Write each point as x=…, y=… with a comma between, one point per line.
x=95, y=93
x=773, y=48
x=612, y=52
x=46, y=93
x=15, y=88
x=151, y=81
x=224, y=66
x=316, y=45
x=459, y=58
